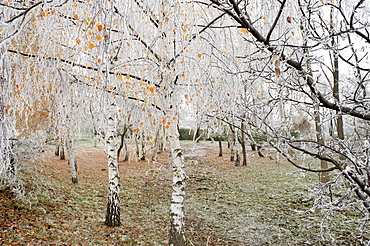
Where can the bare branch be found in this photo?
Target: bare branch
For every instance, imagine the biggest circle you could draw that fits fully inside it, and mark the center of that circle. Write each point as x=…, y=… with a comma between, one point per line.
x=275, y=22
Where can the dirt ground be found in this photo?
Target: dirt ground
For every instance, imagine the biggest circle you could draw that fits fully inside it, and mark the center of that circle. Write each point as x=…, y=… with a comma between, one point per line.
x=263, y=203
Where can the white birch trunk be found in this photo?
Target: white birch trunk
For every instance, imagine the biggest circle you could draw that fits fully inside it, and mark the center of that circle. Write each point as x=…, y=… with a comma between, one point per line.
x=112, y=218
x=232, y=142
x=177, y=229
x=71, y=152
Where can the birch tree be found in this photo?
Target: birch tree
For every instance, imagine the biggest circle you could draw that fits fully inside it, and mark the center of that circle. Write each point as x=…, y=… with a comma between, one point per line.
x=112, y=217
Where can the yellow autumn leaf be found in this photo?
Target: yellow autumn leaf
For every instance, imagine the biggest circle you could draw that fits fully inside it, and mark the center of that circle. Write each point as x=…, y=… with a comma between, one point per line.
x=245, y=30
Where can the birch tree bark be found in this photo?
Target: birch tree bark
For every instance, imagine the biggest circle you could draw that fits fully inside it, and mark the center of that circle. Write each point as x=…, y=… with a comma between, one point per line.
x=232, y=141
x=70, y=146
x=177, y=228
x=242, y=143
x=112, y=218
x=168, y=46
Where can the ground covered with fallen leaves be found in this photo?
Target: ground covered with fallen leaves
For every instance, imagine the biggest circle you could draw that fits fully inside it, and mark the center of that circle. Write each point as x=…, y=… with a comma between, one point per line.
x=263, y=203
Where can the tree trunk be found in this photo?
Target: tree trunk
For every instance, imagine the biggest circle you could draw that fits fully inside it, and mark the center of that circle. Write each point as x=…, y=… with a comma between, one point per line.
x=122, y=143
x=232, y=154
x=177, y=229
x=259, y=148
x=156, y=146
x=96, y=135
x=336, y=87
x=62, y=155
x=126, y=151
x=197, y=134
x=112, y=217
x=220, y=146
x=72, y=157
x=56, y=153
x=324, y=178
x=253, y=146
x=143, y=150
x=237, y=160
x=232, y=142
x=120, y=147
x=242, y=142
x=137, y=147
x=162, y=146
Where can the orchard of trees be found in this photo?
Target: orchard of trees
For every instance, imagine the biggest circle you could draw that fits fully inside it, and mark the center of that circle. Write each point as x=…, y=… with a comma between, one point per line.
x=288, y=75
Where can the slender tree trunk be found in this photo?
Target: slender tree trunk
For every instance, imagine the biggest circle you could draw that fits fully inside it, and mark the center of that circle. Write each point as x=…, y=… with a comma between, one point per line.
x=12, y=159
x=219, y=146
x=253, y=146
x=72, y=157
x=242, y=142
x=259, y=148
x=336, y=87
x=122, y=143
x=143, y=149
x=56, y=153
x=156, y=146
x=237, y=160
x=177, y=228
x=126, y=151
x=197, y=134
x=232, y=145
x=94, y=127
x=324, y=178
x=112, y=218
x=62, y=155
x=162, y=139
x=120, y=147
x=137, y=147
